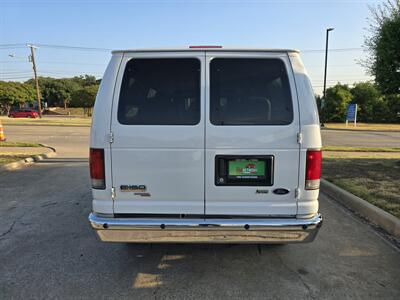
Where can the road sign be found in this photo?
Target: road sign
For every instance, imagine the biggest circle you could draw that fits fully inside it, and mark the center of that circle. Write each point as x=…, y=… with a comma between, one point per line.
x=351, y=114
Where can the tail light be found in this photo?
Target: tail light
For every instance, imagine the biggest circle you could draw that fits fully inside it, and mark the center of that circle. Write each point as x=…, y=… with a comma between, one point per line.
x=97, y=174
x=313, y=169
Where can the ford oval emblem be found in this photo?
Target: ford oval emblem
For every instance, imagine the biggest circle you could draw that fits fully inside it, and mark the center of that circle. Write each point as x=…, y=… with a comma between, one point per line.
x=280, y=191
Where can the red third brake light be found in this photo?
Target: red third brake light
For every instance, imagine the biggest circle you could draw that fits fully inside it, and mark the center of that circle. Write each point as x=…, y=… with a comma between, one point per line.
x=313, y=169
x=97, y=174
x=205, y=46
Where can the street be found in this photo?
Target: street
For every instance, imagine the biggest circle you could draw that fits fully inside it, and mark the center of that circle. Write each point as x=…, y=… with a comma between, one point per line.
x=48, y=249
x=360, y=138
x=69, y=141
x=73, y=141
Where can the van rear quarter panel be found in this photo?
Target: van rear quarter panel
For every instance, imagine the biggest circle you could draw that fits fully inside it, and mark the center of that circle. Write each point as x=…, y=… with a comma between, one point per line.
x=311, y=136
x=100, y=130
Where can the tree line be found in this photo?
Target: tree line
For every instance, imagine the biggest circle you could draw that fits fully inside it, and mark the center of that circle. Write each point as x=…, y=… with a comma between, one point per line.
x=78, y=91
x=373, y=105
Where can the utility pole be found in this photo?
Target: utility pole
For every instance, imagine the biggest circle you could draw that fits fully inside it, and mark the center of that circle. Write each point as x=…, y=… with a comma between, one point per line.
x=32, y=59
x=326, y=65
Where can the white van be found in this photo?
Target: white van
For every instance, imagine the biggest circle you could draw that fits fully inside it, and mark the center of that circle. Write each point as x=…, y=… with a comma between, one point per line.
x=205, y=144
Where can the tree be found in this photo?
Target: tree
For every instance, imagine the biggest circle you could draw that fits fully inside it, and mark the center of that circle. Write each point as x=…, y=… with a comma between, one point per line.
x=384, y=46
x=393, y=105
x=58, y=92
x=85, y=97
x=15, y=94
x=85, y=80
x=338, y=97
x=366, y=96
x=318, y=100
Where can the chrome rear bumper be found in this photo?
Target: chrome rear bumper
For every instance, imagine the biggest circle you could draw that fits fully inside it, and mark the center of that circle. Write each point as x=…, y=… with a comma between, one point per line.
x=256, y=231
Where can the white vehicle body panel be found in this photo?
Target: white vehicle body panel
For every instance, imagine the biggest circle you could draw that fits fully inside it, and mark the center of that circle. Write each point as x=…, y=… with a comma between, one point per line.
x=277, y=140
x=176, y=163
x=169, y=160
x=100, y=131
x=310, y=131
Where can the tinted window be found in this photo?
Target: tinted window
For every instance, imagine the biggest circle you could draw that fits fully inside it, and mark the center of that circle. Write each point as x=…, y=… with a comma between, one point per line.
x=160, y=92
x=249, y=92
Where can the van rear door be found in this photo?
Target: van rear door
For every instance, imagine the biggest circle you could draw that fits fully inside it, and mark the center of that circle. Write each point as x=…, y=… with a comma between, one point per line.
x=158, y=134
x=252, y=124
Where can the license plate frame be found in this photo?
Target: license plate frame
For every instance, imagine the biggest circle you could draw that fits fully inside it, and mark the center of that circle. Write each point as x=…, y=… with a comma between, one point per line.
x=223, y=176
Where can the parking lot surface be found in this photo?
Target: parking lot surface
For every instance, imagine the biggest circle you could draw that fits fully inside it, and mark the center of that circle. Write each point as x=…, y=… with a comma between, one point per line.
x=48, y=250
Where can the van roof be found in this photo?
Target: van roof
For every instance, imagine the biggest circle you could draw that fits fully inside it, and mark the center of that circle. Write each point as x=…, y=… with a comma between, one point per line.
x=205, y=48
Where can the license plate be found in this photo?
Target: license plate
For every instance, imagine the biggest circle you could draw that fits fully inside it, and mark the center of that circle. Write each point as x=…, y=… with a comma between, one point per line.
x=244, y=170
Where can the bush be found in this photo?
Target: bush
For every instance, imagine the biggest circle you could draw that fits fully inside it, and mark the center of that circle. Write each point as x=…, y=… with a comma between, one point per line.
x=366, y=96
x=337, y=99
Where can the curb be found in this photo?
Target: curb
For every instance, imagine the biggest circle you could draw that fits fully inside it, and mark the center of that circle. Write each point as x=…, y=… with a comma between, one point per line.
x=29, y=160
x=369, y=211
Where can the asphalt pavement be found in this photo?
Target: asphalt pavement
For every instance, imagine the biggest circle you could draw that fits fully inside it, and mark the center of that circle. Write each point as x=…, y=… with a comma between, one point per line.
x=69, y=141
x=352, y=138
x=73, y=141
x=48, y=250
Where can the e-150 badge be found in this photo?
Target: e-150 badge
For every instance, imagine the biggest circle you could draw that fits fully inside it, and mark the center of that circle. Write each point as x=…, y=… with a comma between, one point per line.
x=133, y=188
x=137, y=189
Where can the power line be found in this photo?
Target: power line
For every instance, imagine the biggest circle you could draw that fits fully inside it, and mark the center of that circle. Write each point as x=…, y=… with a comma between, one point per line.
x=54, y=62
x=14, y=72
x=331, y=50
x=12, y=46
x=109, y=49
x=71, y=63
x=14, y=77
x=73, y=47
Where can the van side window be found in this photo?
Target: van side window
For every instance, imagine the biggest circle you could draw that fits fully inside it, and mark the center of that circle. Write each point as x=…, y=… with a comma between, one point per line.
x=160, y=92
x=249, y=91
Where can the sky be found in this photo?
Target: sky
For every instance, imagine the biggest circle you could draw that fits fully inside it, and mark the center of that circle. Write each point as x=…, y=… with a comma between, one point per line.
x=75, y=37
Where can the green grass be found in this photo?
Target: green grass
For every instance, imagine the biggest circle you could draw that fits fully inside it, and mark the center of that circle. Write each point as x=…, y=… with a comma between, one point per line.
x=6, y=159
x=48, y=121
x=360, y=149
x=364, y=126
x=19, y=144
x=374, y=180
x=75, y=111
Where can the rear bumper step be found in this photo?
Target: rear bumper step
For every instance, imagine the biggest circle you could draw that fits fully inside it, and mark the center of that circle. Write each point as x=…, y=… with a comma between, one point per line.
x=206, y=230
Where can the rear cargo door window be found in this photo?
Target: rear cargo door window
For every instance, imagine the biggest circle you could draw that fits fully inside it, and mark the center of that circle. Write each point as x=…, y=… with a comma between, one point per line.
x=249, y=91
x=160, y=92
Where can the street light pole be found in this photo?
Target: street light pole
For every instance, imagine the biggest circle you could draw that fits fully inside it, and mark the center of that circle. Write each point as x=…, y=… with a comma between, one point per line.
x=36, y=79
x=326, y=65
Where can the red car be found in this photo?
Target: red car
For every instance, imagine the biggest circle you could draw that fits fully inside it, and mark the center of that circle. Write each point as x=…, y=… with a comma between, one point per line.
x=23, y=113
